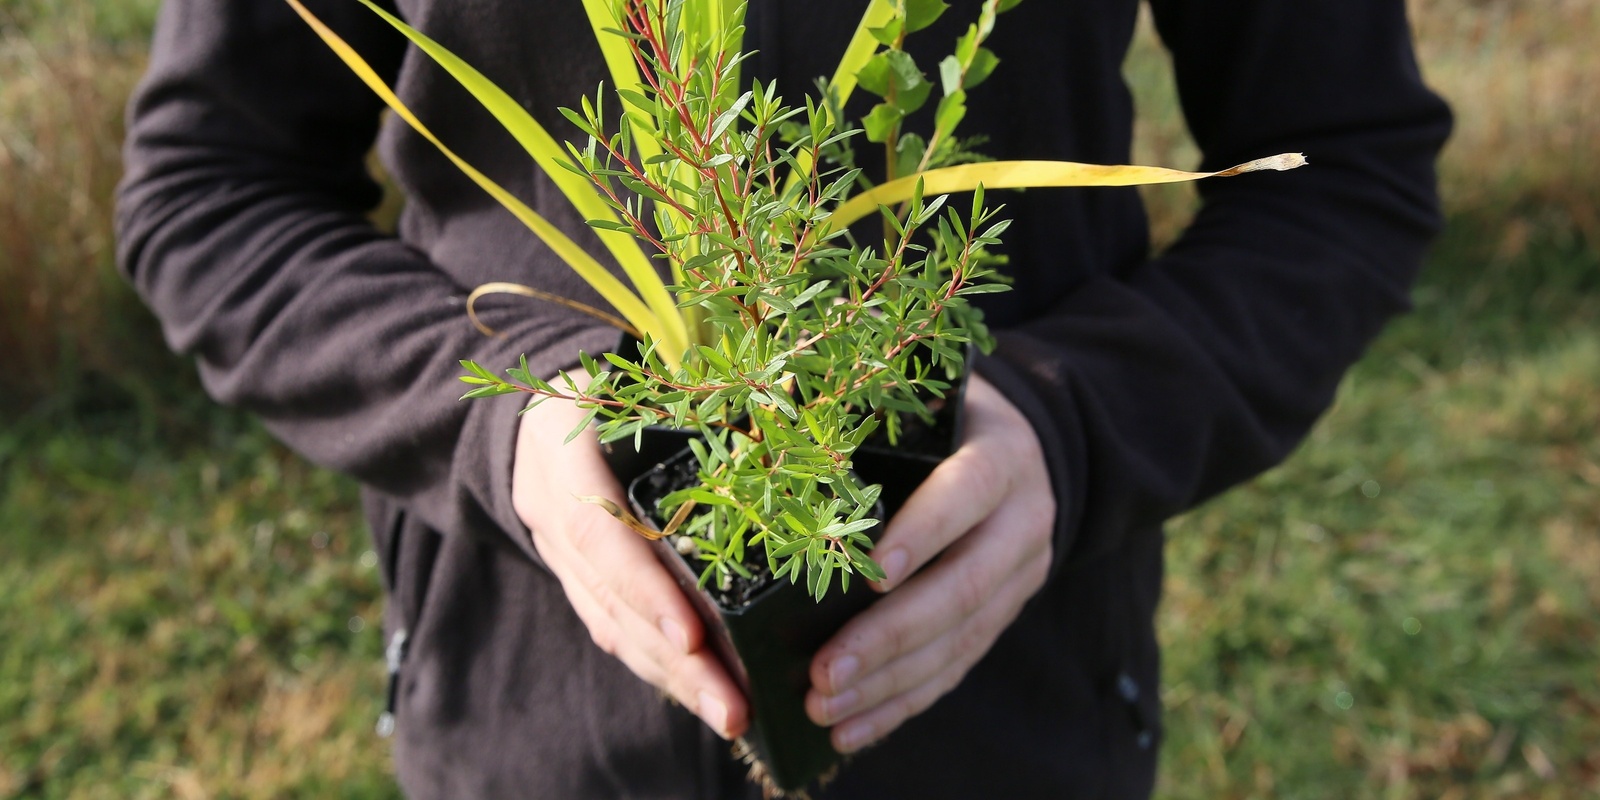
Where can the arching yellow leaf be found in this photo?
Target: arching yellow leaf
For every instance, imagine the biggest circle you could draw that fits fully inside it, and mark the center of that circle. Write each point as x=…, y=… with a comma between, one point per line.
x=856, y=55
x=613, y=290
x=1034, y=175
x=550, y=156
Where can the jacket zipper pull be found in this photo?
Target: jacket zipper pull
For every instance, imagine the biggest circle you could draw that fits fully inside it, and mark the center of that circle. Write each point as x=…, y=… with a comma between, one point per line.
x=1128, y=689
x=393, y=657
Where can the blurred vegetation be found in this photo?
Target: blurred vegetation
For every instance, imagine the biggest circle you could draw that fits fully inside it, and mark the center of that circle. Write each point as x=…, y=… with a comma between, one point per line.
x=1407, y=608
x=72, y=334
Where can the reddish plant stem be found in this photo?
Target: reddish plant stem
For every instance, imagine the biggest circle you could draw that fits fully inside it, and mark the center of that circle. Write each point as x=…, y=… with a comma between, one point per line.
x=581, y=397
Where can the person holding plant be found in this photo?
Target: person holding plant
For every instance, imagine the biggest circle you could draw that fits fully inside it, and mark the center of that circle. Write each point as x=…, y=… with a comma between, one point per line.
x=1013, y=653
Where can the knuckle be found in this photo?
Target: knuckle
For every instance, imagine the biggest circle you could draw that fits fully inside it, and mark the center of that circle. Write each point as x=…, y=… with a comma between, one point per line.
x=610, y=603
x=899, y=636
x=1027, y=449
x=971, y=591
x=970, y=643
x=898, y=679
x=584, y=532
x=525, y=509
x=908, y=705
x=603, y=640
x=888, y=636
x=1038, y=569
x=949, y=680
x=1040, y=514
x=981, y=474
x=675, y=679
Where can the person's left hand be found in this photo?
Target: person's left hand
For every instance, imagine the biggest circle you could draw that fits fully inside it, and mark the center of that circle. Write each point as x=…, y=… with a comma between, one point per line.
x=989, y=510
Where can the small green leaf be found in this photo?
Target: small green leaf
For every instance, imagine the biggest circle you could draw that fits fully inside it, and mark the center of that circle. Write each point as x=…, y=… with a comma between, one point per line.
x=880, y=122
x=950, y=75
x=983, y=288
x=889, y=33
x=583, y=425
x=875, y=74
x=896, y=70
x=967, y=44
x=715, y=358
x=790, y=549
x=726, y=119
x=983, y=63
x=908, y=154
x=619, y=362
x=922, y=13
x=868, y=568
x=488, y=391
x=476, y=369
x=986, y=21
x=952, y=109
x=576, y=119
x=780, y=398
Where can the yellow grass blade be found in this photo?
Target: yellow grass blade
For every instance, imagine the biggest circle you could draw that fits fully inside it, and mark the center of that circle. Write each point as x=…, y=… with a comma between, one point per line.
x=604, y=282
x=860, y=50
x=856, y=56
x=624, y=71
x=625, y=75
x=550, y=156
x=1031, y=175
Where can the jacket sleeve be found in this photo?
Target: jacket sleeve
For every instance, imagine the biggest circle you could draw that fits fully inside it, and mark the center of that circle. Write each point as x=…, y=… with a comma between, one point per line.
x=241, y=221
x=1155, y=389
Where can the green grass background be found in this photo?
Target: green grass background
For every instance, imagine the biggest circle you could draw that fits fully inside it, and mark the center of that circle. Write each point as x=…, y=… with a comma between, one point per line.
x=1407, y=608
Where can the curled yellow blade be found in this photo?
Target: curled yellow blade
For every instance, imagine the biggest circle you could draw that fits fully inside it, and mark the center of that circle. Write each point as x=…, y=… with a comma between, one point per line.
x=613, y=290
x=538, y=294
x=550, y=157
x=1034, y=174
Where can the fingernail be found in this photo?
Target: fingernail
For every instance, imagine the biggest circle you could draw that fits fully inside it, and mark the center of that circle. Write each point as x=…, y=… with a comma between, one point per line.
x=675, y=634
x=842, y=672
x=840, y=705
x=855, y=737
x=714, y=713
x=894, y=567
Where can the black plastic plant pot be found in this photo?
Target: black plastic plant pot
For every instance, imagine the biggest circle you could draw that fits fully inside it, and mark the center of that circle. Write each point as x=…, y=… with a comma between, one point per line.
x=768, y=641
x=902, y=467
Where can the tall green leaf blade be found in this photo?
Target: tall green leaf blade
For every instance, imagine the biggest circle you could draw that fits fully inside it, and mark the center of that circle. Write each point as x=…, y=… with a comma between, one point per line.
x=625, y=76
x=547, y=152
x=624, y=70
x=613, y=290
x=856, y=54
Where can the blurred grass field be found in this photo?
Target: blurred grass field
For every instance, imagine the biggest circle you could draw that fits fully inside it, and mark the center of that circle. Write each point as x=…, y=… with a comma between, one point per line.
x=1410, y=607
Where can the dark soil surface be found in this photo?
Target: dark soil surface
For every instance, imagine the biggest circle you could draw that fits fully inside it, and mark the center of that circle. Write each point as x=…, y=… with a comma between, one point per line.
x=679, y=473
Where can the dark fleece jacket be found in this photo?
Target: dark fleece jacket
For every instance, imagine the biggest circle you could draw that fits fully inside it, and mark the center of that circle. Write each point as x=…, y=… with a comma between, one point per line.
x=1153, y=383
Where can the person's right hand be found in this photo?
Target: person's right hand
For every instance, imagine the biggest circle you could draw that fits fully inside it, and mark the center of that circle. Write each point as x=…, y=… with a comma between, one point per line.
x=631, y=605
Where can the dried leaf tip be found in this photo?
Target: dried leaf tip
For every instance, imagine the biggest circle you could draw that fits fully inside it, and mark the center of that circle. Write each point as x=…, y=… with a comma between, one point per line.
x=622, y=515
x=1282, y=162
